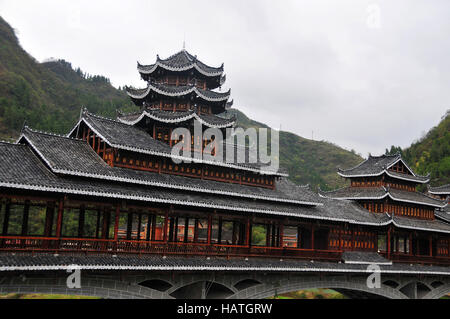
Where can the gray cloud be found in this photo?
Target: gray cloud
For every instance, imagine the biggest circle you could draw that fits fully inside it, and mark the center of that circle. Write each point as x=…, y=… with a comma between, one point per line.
x=308, y=65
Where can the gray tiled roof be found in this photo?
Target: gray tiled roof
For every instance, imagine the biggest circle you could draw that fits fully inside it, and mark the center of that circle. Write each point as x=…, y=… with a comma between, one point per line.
x=75, y=157
x=182, y=60
x=422, y=224
x=23, y=262
x=444, y=190
x=21, y=169
x=444, y=214
x=209, y=120
x=177, y=91
x=377, y=165
x=382, y=192
x=131, y=138
x=363, y=257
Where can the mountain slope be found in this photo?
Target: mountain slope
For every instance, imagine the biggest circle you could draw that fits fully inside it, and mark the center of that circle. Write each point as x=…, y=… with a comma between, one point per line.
x=47, y=95
x=431, y=153
x=307, y=161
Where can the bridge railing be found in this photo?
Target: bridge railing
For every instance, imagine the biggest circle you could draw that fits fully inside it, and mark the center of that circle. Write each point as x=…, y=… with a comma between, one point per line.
x=87, y=245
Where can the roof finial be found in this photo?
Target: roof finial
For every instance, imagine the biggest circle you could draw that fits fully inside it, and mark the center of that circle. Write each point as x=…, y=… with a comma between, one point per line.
x=184, y=41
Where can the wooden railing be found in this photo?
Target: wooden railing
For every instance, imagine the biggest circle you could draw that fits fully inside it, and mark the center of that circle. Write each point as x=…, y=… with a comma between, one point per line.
x=90, y=246
x=417, y=259
x=86, y=245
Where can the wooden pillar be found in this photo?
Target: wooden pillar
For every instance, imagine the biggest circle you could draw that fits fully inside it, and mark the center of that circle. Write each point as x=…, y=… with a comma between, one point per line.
x=98, y=145
x=97, y=225
x=166, y=224
x=6, y=217
x=273, y=239
x=389, y=242
x=247, y=232
x=234, y=234
x=129, y=225
x=186, y=229
x=153, y=227
x=267, y=235
x=81, y=222
x=105, y=226
x=175, y=232
x=209, y=229
x=26, y=213
x=340, y=239
x=397, y=243
x=196, y=230
x=299, y=237
x=410, y=244
x=59, y=219
x=116, y=222
x=404, y=244
x=280, y=234
x=149, y=227
x=312, y=236
x=430, y=239
x=219, y=231
x=50, y=210
x=138, y=235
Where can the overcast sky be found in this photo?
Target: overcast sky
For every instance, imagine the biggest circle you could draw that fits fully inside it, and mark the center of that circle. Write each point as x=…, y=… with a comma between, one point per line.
x=362, y=74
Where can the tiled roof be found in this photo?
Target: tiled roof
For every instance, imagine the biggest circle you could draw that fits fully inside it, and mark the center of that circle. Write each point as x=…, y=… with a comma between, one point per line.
x=181, y=61
x=378, y=165
x=27, y=262
x=364, y=258
x=75, y=157
x=361, y=193
x=208, y=120
x=434, y=225
x=128, y=137
x=21, y=169
x=440, y=190
x=443, y=214
x=177, y=91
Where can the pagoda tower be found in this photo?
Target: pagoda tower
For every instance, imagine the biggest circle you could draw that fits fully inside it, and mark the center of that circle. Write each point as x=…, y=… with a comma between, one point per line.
x=180, y=90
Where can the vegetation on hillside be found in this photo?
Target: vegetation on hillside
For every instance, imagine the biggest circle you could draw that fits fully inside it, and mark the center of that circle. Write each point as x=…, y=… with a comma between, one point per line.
x=307, y=161
x=47, y=95
x=431, y=153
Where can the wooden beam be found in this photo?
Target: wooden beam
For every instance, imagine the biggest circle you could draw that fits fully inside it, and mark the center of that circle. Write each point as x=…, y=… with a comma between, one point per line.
x=59, y=218
x=116, y=222
x=81, y=222
x=6, y=217
x=209, y=228
x=26, y=213
x=49, y=219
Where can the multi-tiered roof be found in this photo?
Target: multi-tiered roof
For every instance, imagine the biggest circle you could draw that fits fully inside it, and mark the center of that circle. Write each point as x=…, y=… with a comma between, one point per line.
x=387, y=180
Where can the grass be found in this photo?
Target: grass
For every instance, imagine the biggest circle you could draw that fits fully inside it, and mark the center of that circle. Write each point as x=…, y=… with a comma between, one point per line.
x=311, y=294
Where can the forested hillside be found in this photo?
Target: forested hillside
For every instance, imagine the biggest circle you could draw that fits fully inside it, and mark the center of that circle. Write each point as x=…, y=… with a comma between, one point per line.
x=431, y=153
x=47, y=95
x=307, y=161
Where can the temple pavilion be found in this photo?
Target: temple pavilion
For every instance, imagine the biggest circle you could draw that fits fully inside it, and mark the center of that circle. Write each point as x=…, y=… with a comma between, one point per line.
x=111, y=186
